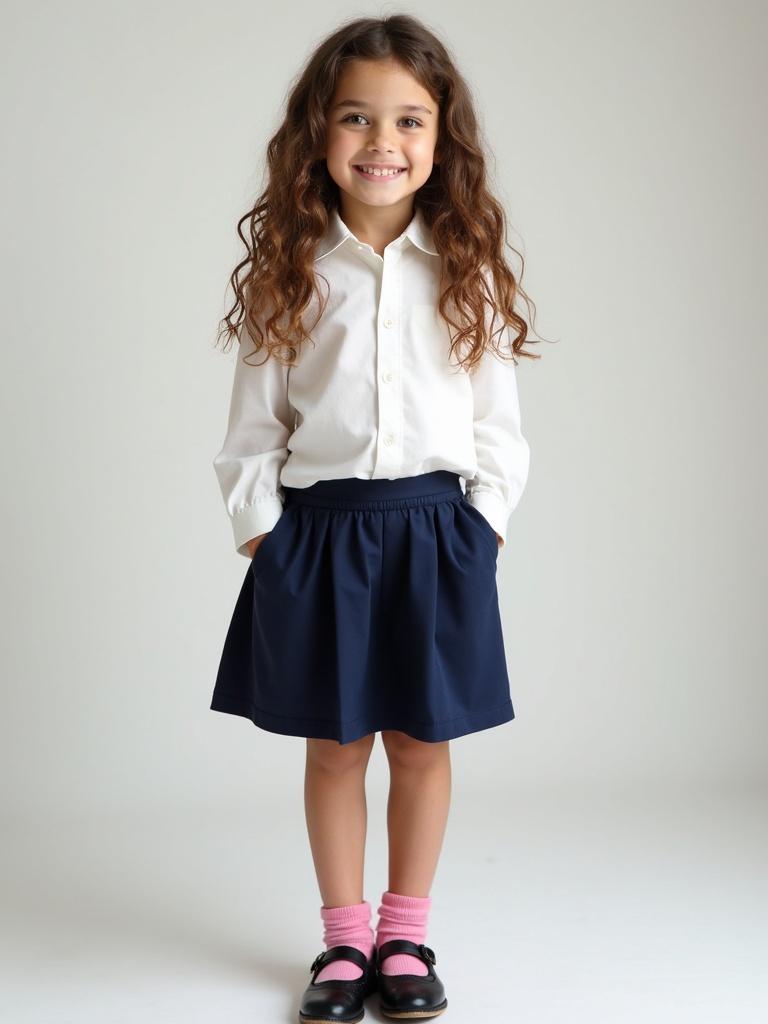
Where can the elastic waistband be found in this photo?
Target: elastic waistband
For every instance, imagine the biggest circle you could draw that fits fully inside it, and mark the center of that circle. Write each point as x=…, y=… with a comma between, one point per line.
x=353, y=492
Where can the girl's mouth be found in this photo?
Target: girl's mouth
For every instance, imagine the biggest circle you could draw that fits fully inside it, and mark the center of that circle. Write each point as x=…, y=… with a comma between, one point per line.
x=387, y=175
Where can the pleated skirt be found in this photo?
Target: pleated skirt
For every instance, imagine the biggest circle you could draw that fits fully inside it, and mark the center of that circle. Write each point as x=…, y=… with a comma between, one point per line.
x=370, y=605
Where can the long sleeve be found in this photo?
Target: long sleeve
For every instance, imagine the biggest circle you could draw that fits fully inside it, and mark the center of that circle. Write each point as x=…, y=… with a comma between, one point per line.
x=503, y=454
x=261, y=420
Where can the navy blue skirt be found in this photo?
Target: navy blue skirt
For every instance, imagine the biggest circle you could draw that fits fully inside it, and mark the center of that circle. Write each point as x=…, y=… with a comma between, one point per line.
x=371, y=604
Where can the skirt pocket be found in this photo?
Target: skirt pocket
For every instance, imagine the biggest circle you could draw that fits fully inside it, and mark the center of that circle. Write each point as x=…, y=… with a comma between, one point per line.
x=261, y=555
x=485, y=527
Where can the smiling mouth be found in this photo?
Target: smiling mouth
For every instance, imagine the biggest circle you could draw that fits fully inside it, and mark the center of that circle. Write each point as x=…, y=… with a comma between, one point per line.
x=386, y=174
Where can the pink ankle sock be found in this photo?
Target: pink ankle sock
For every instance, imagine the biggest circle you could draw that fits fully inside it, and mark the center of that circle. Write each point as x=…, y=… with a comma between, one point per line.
x=346, y=926
x=403, y=917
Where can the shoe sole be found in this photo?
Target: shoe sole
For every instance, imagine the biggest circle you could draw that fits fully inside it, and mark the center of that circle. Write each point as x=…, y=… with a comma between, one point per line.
x=415, y=1013
x=330, y=1020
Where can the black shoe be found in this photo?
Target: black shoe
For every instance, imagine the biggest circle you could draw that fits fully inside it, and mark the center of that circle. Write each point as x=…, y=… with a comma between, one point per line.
x=409, y=995
x=335, y=999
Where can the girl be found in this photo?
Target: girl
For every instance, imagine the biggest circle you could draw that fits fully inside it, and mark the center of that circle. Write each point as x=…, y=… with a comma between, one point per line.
x=370, y=601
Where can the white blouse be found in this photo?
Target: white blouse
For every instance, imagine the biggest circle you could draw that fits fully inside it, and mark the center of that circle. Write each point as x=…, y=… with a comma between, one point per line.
x=375, y=397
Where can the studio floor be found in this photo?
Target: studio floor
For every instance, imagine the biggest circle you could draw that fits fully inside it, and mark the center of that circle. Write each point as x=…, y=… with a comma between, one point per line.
x=569, y=906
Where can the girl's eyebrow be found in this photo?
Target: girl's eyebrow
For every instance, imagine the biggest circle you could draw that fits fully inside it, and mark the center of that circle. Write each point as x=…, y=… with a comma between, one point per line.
x=362, y=103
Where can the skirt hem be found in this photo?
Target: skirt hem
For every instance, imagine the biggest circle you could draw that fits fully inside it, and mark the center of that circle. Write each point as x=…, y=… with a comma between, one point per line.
x=348, y=732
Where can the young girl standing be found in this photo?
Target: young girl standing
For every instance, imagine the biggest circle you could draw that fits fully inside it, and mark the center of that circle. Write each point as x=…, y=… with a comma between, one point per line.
x=374, y=276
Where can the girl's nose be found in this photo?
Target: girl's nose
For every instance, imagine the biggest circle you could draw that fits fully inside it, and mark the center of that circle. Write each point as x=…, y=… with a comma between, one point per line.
x=382, y=142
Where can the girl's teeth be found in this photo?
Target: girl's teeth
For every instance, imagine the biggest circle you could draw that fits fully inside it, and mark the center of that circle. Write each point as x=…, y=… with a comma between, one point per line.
x=378, y=173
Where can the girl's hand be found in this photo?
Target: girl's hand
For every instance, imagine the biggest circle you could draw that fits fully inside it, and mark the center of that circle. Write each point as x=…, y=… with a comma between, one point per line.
x=253, y=544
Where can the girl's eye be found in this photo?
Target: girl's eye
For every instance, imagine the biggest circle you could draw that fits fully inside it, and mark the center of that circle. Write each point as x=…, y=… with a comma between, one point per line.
x=416, y=122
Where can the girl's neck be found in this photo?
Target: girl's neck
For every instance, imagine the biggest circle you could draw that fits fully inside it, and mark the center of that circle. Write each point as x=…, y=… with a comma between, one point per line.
x=377, y=226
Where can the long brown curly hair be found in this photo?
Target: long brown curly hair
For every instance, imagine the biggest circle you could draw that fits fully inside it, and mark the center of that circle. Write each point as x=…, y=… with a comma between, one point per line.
x=275, y=283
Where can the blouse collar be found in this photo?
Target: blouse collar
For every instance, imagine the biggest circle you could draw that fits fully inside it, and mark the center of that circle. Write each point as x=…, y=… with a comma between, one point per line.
x=417, y=232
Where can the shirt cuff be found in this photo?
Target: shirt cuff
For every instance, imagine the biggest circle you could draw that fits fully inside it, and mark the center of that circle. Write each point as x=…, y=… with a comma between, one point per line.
x=250, y=521
x=494, y=510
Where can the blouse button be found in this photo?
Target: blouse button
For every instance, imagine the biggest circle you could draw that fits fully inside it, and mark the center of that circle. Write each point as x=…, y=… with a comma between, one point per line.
x=387, y=376
x=389, y=439
x=388, y=322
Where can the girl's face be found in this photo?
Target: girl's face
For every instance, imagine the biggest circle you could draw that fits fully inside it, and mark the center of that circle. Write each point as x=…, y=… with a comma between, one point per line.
x=380, y=114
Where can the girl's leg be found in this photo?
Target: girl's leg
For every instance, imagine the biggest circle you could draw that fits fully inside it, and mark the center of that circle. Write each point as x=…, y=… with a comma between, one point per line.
x=417, y=812
x=336, y=813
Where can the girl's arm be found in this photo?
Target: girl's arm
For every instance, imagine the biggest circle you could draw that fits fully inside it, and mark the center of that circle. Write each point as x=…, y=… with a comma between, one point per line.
x=503, y=454
x=261, y=420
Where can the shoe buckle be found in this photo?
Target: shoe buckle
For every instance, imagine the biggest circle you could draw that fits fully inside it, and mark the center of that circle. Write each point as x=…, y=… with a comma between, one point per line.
x=316, y=963
x=428, y=953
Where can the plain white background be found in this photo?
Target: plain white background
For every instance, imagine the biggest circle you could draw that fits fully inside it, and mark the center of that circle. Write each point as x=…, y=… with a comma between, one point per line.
x=605, y=853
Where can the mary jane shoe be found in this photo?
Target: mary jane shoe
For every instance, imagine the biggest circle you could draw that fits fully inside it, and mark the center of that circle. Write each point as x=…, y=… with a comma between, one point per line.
x=334, y=1000
x=409, y=995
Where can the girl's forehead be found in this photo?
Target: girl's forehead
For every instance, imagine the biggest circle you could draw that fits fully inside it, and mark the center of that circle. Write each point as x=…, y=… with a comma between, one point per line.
x=381, y=85
x=389, y=73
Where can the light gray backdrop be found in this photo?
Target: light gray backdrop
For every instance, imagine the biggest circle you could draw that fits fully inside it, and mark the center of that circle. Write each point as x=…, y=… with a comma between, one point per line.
x=607, y=843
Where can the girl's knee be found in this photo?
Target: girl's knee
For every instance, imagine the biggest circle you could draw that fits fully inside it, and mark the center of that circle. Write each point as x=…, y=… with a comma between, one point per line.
x=402, y=749
x=340, y=757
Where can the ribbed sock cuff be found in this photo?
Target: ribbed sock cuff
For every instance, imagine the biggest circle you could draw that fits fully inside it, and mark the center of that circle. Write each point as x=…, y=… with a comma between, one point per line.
x=349, y=912
x=408, y=908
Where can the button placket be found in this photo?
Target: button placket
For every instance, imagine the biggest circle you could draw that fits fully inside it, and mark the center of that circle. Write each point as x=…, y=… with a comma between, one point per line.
x=389, y=333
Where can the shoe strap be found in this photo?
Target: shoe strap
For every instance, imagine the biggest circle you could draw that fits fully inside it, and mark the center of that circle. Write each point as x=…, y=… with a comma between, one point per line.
x=339, y=953
x=421, y=951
